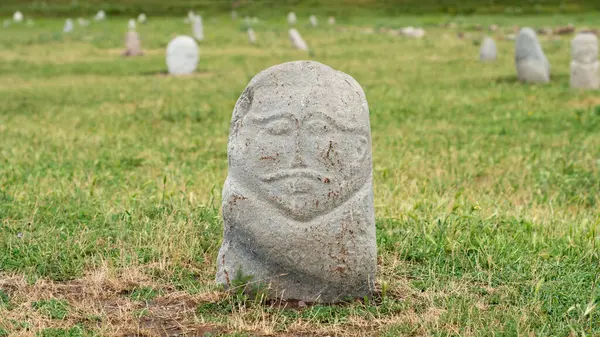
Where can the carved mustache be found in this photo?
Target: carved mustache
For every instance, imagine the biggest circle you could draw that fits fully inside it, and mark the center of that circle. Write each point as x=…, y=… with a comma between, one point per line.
x=302, y=173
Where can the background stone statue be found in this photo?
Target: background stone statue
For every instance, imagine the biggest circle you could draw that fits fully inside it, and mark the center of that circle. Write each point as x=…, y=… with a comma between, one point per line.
x=298, y=199
x=532, y=64
x=584, y=63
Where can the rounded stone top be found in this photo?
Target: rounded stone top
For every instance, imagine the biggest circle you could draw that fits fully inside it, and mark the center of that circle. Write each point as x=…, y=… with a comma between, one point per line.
x=310, y=82
x=182, y=55
x=584, y=48
x=528, y=46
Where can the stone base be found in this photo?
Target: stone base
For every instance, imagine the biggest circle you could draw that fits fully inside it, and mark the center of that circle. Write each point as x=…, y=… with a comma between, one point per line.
x=529, y=71
x=585, y=76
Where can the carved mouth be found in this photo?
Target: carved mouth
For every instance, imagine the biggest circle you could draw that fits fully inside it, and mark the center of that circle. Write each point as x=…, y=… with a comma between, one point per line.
x=298, y=175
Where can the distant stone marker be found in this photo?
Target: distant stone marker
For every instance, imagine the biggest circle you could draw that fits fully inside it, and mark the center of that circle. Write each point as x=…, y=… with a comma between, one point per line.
x=313, y=21
x=68, y=26
x=100, y=16
x=182, y=55
x=251, y=36
x=296, y=39
x=234, y=15
x=331, y=21
x=18, y=17
x=291, y=18
x=198, y=28
x=584, y=63
x=413, y=32
x=142, y=18
x=133, y=45
x=83, y=22
x=299, y=219
x=488, y=50
x=532, y=65
x=131, y=25
x=190, y=17
x=6, y=23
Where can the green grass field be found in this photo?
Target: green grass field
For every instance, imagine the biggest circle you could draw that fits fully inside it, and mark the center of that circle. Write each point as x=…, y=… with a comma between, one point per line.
x=487, y=191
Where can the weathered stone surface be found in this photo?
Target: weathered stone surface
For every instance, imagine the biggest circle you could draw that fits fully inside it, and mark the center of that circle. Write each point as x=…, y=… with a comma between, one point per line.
x=298, y=199
x=313, y=21
x=198, y=28
x=133, y=45
x=297, y=40
x=142, y=18
x=488, y=50
x=584, y=63
x=251, y=36
x=532, y=65
x=182, y=55
x=291, y=18
x=68, y=26
x=131, y=25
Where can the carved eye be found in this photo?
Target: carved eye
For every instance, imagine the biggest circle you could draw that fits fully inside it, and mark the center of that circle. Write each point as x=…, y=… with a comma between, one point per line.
x=318, y=126
x=280, y=126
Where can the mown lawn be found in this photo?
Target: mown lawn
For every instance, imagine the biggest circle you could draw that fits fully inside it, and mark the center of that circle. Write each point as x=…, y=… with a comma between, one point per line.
x=487, y=191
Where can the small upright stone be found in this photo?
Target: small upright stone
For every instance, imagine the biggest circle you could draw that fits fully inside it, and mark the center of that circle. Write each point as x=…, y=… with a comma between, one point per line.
x=531, y=63
x=190, y=17
x=251, y=36
x=18, y=17
x=313, y=21
x=331, y=20
x=488, y=50
x=68, y=26
x=131, y=25
x=291, y=18
x=198, y=28
x=299, y=219
x=297, y=41
x=133, y=45
x=142, y=18
x=182, y=55
x=234, y=15
x=100, y=16
x=584, y=63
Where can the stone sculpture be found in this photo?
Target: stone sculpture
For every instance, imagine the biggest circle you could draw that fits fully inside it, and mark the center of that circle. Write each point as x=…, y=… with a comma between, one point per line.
x=251, y=36
x=297, y=40
x=182, y=55
x=584, y=63
x=198, y=28
x=142, y=18
x=532, y=65
x=68, y=26
x=133, y=45
x=101, y=15
x=18, y=16
x=131, y=25
x=298, y=199
x=291, y=18
x=488, y=50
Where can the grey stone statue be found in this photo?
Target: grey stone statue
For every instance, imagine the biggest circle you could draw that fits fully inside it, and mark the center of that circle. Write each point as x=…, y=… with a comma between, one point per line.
x=584, y=63
x=298, y=199
x=532, y=64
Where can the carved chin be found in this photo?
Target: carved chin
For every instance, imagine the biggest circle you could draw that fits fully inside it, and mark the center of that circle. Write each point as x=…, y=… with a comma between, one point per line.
x=299, y=208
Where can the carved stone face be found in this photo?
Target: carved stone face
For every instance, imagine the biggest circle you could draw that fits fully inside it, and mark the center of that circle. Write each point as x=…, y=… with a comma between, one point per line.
x=585, y=48
x=302, y=144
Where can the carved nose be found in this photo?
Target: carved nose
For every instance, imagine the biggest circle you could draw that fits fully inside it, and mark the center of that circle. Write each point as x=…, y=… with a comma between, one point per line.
x=298, y=160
